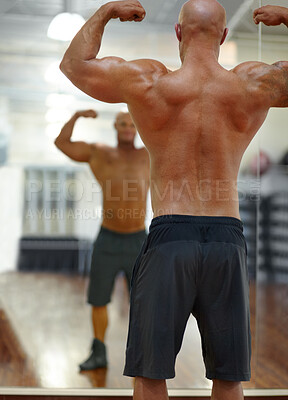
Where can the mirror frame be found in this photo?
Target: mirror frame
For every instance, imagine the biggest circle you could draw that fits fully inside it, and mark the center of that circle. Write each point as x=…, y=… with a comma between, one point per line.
x=98, y=393
x=106, y=394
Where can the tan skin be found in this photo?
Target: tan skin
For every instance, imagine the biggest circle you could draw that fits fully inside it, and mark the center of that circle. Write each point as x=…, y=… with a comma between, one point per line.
x=196, y=122
x=123, y=173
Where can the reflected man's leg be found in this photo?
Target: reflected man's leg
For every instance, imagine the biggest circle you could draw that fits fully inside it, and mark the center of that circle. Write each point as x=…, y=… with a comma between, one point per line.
x=100, y=322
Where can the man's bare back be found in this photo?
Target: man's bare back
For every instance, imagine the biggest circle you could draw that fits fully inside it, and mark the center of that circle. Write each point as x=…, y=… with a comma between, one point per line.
x=196, y=122
x=195, y=156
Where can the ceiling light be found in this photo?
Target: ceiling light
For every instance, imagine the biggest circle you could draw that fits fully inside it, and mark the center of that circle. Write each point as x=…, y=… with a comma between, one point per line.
x=65, y=26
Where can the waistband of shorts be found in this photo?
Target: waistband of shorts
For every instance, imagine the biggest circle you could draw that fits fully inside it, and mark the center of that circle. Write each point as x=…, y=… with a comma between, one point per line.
x=122, y=234
x=195, y=219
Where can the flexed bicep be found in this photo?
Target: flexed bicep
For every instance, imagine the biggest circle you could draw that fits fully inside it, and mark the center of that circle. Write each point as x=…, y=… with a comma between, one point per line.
x=104, y=79
x=114, y=80
x=77, y=151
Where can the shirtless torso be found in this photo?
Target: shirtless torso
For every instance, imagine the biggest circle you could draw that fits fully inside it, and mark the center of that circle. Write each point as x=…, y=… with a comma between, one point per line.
x=122, y=172
x=124, y=179
x=199, y=140
x=196, y=122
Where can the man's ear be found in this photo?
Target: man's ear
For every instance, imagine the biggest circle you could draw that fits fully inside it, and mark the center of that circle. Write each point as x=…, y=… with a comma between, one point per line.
x=224, y=35
x=178, y=32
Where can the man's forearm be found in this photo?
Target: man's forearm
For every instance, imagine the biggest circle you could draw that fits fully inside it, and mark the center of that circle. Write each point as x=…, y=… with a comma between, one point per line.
x=67, y=130
x=271, y=15
x=86, y=44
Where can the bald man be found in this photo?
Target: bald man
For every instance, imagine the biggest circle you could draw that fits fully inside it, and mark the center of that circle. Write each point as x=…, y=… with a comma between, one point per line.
x=123, y=173
x=196, y=123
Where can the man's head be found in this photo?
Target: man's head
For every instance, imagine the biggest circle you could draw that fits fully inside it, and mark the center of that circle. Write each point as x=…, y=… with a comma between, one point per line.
x=125, y=128
x=201, y=19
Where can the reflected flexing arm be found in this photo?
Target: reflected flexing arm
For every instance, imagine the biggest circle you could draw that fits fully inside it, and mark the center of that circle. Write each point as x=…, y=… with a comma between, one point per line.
x=77, y=151
x=108, y=79
x=271, y=15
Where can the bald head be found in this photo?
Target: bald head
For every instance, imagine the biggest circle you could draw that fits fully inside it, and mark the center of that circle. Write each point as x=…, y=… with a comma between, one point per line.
x=121, y=115
x=125, y=128
x=203, y=16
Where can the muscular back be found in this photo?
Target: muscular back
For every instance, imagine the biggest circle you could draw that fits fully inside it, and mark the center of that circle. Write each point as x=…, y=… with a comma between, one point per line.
x=196, y=124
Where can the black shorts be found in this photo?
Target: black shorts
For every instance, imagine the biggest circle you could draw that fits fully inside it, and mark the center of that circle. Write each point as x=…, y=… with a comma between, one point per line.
x=190, y=265
x=113, y=252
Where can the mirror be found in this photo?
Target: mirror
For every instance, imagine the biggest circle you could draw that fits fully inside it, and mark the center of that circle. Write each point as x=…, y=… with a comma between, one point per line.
x=51, y=207
x=266, y=199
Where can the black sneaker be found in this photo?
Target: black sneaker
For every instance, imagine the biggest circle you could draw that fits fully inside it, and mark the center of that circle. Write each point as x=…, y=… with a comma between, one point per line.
x=97, y=358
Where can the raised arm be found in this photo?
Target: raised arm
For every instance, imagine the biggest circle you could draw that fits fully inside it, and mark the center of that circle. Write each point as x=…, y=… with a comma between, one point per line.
x=107, y=79
x=77, y=151
x=271, y=15
x=274, y=79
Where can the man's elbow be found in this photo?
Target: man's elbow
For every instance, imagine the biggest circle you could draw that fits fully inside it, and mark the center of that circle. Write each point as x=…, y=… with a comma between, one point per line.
x=71, y=68
x=66, y=67
x=57, y=143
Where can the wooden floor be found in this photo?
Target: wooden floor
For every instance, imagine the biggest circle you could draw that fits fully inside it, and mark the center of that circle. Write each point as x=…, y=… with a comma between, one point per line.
x=46, y=332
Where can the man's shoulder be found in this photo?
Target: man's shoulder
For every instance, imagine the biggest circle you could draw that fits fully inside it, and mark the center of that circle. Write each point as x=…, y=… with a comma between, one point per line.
x=99, y=149
x=148, y=66
x=267, y=83
x=252, y=70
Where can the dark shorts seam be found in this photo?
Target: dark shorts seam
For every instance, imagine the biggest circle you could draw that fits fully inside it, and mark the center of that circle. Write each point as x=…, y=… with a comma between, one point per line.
x=149, y=375
x=246, y=376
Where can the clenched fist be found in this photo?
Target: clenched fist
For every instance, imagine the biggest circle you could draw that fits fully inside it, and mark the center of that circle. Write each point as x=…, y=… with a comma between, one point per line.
x=86, y=114
x=271, y=15
x=129, y=10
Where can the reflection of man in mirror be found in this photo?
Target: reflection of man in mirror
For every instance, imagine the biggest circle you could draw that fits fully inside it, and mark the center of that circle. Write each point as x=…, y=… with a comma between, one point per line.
x=123, y=173
x=196, y=123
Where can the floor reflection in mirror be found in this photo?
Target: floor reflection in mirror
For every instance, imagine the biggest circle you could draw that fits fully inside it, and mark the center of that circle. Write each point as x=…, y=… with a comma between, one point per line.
x=45, y=334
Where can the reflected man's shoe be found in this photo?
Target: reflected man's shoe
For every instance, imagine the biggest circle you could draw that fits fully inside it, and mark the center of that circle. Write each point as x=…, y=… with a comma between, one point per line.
x=97, y=358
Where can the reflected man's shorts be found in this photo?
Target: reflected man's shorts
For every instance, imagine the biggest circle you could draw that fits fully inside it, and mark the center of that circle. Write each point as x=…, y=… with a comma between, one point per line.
x=190, y=265
x=113, y=252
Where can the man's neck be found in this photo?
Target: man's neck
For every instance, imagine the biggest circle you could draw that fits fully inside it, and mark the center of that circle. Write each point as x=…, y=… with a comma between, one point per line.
x=125, y=146
x=202, y=51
